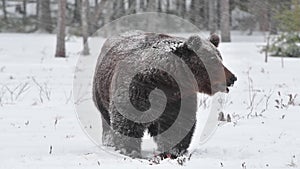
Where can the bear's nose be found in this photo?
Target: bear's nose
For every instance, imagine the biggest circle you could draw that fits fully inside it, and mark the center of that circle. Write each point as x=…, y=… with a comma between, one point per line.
x=231, y=80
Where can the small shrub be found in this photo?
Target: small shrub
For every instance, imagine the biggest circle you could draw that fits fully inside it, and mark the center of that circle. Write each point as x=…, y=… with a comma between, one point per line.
x=286, y=44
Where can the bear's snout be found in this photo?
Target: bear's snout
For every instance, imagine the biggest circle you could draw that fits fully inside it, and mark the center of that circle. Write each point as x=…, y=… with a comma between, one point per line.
x=231, y=80
x=222, y=83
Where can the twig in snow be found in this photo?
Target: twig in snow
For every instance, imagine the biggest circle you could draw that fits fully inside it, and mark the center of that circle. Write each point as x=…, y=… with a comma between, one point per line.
x=2, y=69
x=55, y=122
x=50, y=151
x=292, y=163
x=252, y=93
x=81, y=96
x=68, y=98
x=44, y=90
x=27, y=123
x=244, y=165
x=22, y=90
x=17, y=91
x=2, y=93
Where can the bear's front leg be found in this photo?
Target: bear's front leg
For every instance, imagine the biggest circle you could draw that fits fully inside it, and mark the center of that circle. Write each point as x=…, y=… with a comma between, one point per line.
x=176, y=150
x=181, y=148
x=168, y=145
x=127, y=135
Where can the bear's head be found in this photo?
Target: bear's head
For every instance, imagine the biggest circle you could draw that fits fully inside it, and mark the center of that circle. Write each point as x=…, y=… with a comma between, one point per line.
x=205, y=62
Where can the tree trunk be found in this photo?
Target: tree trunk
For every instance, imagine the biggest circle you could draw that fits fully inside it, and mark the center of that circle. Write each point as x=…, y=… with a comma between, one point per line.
x=212, y=7
x=206, y=14
x=4, y=10
x=272, y=20
x=98, y=12
x=181, y=7
x=24, y=11
x=119, y=8
x=267, y=49
x=195, y=13
x=142, y=6
x=109, y=13
x=115, y=9
x=61, y=28
x=131, y=6
x=85, y=26
x=45, y=20
x=260, y=10
x=168, y=6
x=177, y=3
x=37, y=14
x=159, y=6
x=151, y=5
x=77, y=12
x=263, y=18
x=225, y=21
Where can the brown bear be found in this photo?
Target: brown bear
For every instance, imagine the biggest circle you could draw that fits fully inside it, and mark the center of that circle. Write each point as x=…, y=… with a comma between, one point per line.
x=128, y=76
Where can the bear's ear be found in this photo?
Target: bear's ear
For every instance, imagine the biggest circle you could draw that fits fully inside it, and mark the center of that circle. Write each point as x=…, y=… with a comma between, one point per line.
x=214, y=39
x=194, y=43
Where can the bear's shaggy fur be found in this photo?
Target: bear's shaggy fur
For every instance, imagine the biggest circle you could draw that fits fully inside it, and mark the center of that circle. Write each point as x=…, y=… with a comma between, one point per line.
x=138, y=49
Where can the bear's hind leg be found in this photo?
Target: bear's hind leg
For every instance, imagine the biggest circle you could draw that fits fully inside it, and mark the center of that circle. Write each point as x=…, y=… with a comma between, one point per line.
x=181, y=148
x=127, y=135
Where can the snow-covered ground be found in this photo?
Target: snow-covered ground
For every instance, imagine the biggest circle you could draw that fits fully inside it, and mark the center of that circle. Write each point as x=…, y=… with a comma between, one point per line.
x=39, y=126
